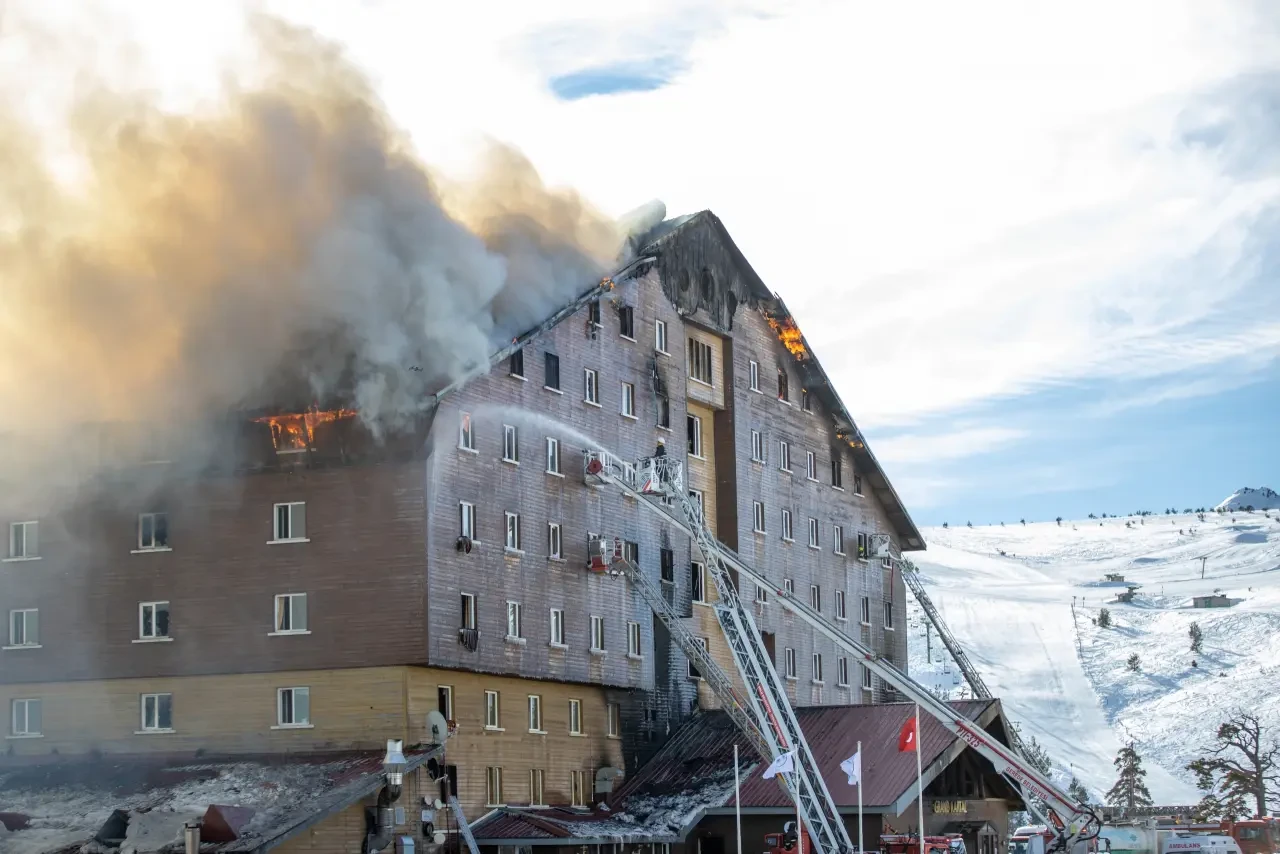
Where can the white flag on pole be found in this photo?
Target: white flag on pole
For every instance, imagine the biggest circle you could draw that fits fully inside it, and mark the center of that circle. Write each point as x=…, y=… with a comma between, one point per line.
x=784, y=764
x=853, y=767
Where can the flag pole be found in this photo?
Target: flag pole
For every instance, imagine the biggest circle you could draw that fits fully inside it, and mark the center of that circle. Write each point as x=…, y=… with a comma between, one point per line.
x=859, y=755
x=737, y=798
x=919, y=782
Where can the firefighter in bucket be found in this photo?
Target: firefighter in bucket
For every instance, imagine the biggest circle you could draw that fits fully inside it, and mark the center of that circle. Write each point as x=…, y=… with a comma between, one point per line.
x=655, y=471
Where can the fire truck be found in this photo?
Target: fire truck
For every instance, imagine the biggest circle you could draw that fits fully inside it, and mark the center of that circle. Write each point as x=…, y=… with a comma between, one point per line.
x=763, y=712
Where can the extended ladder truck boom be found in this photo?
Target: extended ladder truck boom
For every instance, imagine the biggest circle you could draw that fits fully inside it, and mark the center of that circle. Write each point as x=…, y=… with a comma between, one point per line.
x=1073, y=824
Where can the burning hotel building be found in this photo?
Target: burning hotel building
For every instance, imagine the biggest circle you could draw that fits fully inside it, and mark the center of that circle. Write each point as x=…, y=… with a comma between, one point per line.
x=331, y=589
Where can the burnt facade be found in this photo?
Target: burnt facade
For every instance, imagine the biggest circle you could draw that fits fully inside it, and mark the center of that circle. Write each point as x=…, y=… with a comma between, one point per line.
x=461, y=548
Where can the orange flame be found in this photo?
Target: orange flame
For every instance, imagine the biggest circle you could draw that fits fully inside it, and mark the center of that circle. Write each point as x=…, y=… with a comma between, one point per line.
x=296, y=431
x=789, y=335
x=607, y=282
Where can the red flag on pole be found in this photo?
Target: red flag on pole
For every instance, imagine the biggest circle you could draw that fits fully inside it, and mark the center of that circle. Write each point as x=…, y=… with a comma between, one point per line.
x=907, y=736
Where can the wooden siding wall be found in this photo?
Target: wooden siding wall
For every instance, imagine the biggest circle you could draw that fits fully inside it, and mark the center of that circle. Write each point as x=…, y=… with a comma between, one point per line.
x=363, y=570
x=344, y=832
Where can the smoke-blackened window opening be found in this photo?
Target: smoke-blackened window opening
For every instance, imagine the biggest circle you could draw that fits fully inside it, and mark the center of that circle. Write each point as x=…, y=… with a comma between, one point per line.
x=468, y=619
x=551, y=371
x=153, y=620
x=515, y=364
x=157, y=712
x=664, y=411
x=627, y=322
x=694, y=673
x=667, y=561
x=291, y=522
x=701, y=368
x=837, y=470
x=857, y=484
x=291, y=613
x=153, y=531
x=784, y=389
x=697, y=582
x=24, y=540
x=706, y=284
x=593, y=312
x=805, y=401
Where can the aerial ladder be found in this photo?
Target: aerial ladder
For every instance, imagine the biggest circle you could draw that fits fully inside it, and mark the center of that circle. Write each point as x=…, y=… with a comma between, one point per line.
x=772, y=717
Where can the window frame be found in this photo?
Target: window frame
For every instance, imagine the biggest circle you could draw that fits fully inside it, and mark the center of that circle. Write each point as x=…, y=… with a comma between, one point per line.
x=888, y=615
x=757, y=447
x=156, y=545
x=155, y=697
x=556, y=626
x=511, y=531
x=757, y=512
x=26, y=703
x=866, y=678
x=753, y=376
x=467, y=521
x=842, y=672
x=660, y=337
x=553, y=456
x=841, y=605
x=692, y=671
x=693, y=436
x=575, y=717
x=551, y=372
x=788, y=529
x=142, y=620
x=537, y=787
x=466, y=432
x=469, y=615
x=784, y=456
x=698, y=582
x=815, y=534
x=511, y=444
x=292, y=519
x=591, y=387
x=493, y=786
x=697, y=370
x=515, y=620
x=555, y=541
x=784, y=386
x=281, y=723
x=492, y=710
x=815, y=598
x=806, y=400
x=811, y=466
x=837, y=539
x=635, y=641
x=515, y=364
x=864, y=610
x=535, y=714
x=667, y=565
x=613, y=720
x=837, y=472
x=291, y=614
x=21, y=616
x=628, y=407
x=598, y=638
x=789, y=662
x=627, y=322
x=27, y=552
x=577, y=789
x=815, y=669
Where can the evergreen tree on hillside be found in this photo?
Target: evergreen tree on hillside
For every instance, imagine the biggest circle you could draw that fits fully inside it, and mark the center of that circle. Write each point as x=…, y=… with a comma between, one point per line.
x=1134, y=663
x=1104, y=619
x=1242, y=766
x=1035, y=754
x=1197, y=637
x=1078, y=792
x=1130, y=790
x=1059, y=521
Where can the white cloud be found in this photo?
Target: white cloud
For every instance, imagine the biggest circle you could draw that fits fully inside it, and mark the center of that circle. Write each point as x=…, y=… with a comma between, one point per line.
x=916, y=448
x=960, y=204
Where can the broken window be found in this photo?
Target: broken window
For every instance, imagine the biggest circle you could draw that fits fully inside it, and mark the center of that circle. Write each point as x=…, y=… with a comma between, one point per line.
x=697, y=582
x=837, y=472
x=700, y=367
x=153, y=531
x=668, y=562
x=516, y=364
x=857, y=484
x=804, y=400
x=153, y=620
x=693, y=428
x=664, y=411
x=694, y=673
x=593, y=312
x=591, y=387
x=783, y=392
x=551, y=371
x=293, y=707
x=626, y=322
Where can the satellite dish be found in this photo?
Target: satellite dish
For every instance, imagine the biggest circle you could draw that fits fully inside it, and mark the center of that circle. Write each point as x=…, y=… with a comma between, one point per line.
x=437, y=727
x=439, y=837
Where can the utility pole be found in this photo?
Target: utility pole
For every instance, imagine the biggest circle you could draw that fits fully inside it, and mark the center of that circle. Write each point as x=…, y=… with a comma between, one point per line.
x=928, y=638
x=1203, y=560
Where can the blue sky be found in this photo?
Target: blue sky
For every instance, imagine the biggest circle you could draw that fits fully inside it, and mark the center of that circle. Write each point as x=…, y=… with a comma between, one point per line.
x=1035, y=248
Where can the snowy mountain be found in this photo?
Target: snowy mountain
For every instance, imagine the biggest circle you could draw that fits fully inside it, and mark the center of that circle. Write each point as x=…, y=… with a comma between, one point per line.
x=1261, y=498
x=1023, y=601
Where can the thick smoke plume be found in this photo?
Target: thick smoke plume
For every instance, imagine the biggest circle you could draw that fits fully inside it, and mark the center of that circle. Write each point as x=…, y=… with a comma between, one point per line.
x=284, y=245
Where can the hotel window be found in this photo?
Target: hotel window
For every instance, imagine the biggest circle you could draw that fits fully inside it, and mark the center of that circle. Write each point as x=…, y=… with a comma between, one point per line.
x=694, y=673
x=551, y=371
x=813, y=534
x=510, y=444
x=811, y=465
x=758, y=507
x=466, y=432
x=857, y=484
x=557, y=626
x=291, y=613
x=553, y=456
x=491, y=710
x=593, y=313
x=535, y=713
x=866, y=678
x=788, y=586
x=515, y=365
x=444, y=701
x=784, y=392
x=866, y=611
x=157, y=712
x=613, y=720
x=513, y=532
x=633, y=639
x=627, y=322
x=805, y=403
x=553, y=541
x=817, y=667
x=660, y=336
x=667, y=559
x=577, y=789
x=762, y=595
x=862, y=546
x=789, y=666
x=693, y=428
x=784, y=456
x=293, y=707
x=840, y=606
x=837, y=539
x=842, y=672
x=757, y=446
x=515, y=627
x=153, y=531
x=153, y=620
x=597, y=634
x=664, y=411
x=754, y=372
x=291, y=522
x=24, y=718
x=700, y=367
x=493, y=786
x=468, y=611
x=787, y=533
x=888, y=615
x=591, y=387
x=815, y=597
x=467, y=520
x=698, y=579
x=837, y=473
x=24, y=627
x=575, y=717
x=24, y=540
x=535, y=787
x=629, y=400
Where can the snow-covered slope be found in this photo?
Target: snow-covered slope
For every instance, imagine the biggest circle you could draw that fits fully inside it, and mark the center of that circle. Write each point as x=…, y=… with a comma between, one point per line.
x=1026, y=619
x=1261, y=498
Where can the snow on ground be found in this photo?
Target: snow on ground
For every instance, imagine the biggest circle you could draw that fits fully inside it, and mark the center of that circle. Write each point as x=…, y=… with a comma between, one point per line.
x=1026, y=620
x=1261, y=498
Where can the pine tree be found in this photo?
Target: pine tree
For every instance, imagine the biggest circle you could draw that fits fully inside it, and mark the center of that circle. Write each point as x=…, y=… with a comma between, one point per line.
x=1078, y=792
x=1242, y=766
x=1134, y=663
x=1059, y=521
x=1130, y=790
x=1197, y=637
x=1104, y=619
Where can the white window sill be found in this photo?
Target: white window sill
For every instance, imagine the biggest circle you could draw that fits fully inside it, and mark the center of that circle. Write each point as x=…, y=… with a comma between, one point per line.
x=662, y=352
x=594, y=403
x=787, y=472
x=290, y=540
x=859, y=495
x=555, y=473
x=762, y=602
x=784, y=401
x=149, y=551
x=840, y=554
x=475, y=544
x=510, y=461
x=285, y=634
x=152, y=640
x=791, y=678
x=516, y=641
x=666, y=427
x=294, y=726
x=555, y=645
x=862, y=560
x=537, y=732
x=154, y=731
x=555, y=559
x=670, y=581
x=634, y=656
x=494, y=729
x=627, y=338
x=467, y=450
x=888, y=628
x=597, y=652
x=700, y=381
x=758, y=462
x=518, y=377
x=866, y=688
x=577, y=735
x=788, y=539
x=811, y=479
x=865, y=624
x=756, y=390
x=24, y=646
x=511, y=551
x=841, y=489
x=24, y=735
x=817, y=682
x=842, y=619
x=701, y=602
x=19, y=559
x=552, y=390
x=760, y=531
x=815, y=548
x=614, y=737
x=699, y=457
x=629, y=417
